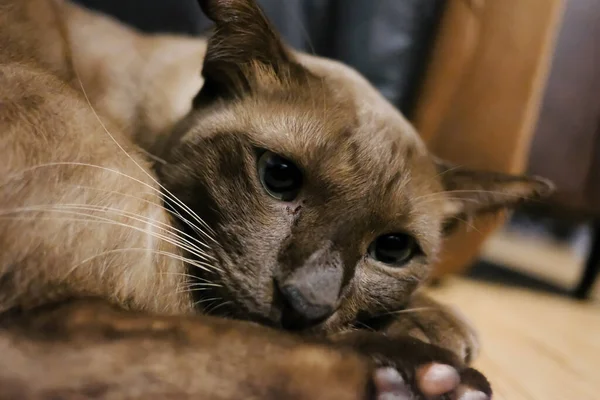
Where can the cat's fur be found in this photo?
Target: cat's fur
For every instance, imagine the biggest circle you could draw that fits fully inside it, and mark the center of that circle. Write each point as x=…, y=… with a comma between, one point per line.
x=83, y=213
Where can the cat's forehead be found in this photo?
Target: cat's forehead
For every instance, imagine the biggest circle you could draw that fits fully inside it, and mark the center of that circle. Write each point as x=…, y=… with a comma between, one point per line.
x=339, y=122
x=335, y=112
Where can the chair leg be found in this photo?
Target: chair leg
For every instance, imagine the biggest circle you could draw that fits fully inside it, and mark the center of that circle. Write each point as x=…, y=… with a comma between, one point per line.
x=592, y=266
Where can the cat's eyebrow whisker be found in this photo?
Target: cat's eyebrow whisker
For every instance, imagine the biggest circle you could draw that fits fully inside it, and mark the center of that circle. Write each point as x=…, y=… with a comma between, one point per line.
x=482, y=191
x=448, y=170
x=468, y=224
x=175, y=213
x=93, y=218
x=441, y=196
x=457, y=199
x=106, y=169
x=165, y=190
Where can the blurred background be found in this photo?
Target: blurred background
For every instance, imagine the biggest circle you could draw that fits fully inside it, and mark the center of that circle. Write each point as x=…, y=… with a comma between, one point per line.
x=505, y=85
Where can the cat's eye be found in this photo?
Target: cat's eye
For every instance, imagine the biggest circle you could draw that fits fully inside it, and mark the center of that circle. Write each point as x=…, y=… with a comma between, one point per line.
x=280, y=177
x=394, y=249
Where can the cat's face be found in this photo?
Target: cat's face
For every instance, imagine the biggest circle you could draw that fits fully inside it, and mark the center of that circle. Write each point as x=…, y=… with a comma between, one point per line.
x=323, y=202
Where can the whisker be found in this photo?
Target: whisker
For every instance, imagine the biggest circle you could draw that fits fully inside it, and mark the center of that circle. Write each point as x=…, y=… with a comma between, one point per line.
x=469, y=224
x=165, y=190
x=189, y=276
x=106, y=169
x=449, y=170
x=365, y=326
x=184, y=274
x=182, y=243
x=134, y=216
x=97, y=219
x=139, y=218
x=483, y=191
x=116, y=251
x=152, y=156
x=151, y=203
x=407, y=311
x=212, y=310
x=421, y=201
x=210, y=284
x=206, y=300
x=467, y=191
x=186, y=290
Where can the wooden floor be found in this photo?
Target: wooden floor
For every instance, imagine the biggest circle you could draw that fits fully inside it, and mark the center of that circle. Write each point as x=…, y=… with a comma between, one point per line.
x=535, y=346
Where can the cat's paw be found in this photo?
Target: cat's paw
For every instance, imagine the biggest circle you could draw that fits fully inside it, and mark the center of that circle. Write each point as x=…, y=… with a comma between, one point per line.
x=441, y=325
x=432, y=381
x=410, y=369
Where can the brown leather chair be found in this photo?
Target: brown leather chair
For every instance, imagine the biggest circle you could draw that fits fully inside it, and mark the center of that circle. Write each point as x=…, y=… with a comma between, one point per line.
x=482, y=93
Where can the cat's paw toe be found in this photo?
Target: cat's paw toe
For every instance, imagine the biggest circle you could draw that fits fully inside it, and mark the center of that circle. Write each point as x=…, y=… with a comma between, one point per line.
x=389, y=385
x=432, y=381
x=440, y=381
x=437, y=379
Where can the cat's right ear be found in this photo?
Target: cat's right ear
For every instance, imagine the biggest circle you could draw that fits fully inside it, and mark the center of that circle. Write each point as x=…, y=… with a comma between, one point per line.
x=470, y=193
x=243, y=52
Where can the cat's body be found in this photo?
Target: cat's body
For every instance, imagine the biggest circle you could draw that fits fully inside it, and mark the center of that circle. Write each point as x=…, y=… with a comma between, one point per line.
x=48, y=131
x=84, y=215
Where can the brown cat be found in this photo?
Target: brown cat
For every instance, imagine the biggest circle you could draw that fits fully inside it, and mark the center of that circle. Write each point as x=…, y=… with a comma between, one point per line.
x=291, y=194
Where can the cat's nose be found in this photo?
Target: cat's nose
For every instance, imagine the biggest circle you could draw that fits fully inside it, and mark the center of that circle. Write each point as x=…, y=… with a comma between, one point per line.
x=309, y=282
x=310, y=295
x=308, y=306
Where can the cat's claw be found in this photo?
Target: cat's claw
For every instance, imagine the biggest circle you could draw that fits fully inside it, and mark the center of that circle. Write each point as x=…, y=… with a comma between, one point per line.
x=434, y=381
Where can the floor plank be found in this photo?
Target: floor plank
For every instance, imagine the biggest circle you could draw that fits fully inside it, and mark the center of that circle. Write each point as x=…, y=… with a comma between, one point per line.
x=535, y=346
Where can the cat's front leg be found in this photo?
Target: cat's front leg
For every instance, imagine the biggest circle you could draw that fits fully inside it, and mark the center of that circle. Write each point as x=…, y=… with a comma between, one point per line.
x=88, y=349
x=430, y=372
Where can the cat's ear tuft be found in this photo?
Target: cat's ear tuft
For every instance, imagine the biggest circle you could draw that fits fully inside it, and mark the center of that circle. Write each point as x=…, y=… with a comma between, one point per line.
x=244, y=49
x=469, y=192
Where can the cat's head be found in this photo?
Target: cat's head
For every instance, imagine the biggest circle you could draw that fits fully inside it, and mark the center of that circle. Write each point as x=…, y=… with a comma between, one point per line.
x=322, y=200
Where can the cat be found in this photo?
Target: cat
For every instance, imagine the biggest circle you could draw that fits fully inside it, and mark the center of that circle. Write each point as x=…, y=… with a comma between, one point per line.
x=190, y=183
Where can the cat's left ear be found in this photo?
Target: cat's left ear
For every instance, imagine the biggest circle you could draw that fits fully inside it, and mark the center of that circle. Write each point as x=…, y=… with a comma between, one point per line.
x=470, y=193
x=244, y=51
